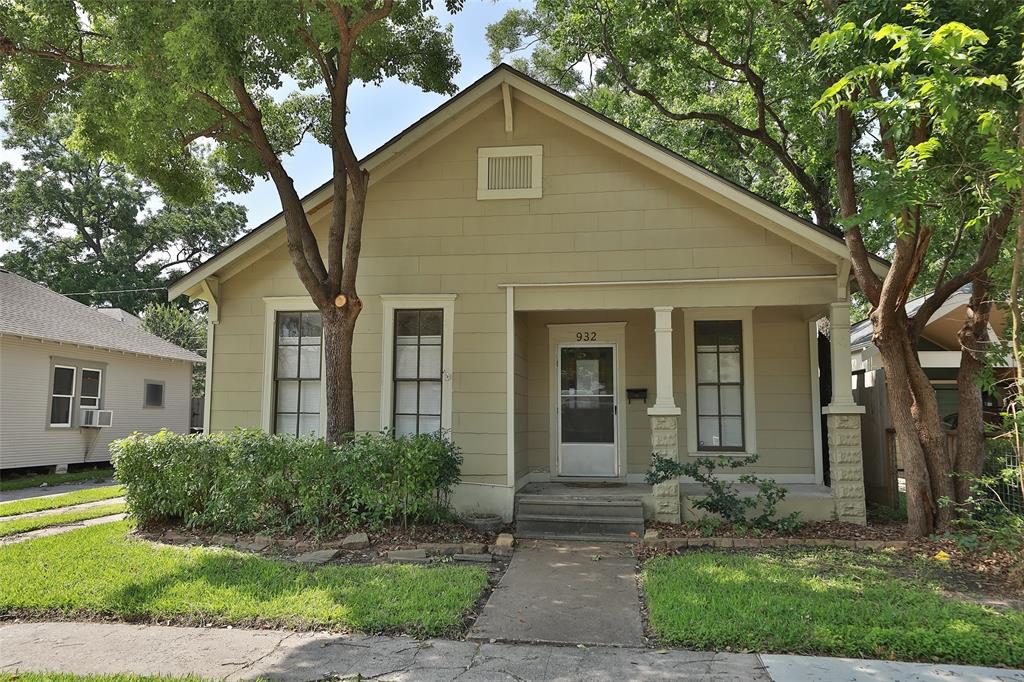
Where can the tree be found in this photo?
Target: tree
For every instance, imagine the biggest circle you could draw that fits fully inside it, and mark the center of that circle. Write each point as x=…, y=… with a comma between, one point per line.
x=189, y=93
x=181, y=327
x=82, y=224
x=912, y=84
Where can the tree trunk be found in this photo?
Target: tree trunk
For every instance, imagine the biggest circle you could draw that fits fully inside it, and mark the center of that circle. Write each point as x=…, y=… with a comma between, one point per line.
x=970, y=428
x=339, y=330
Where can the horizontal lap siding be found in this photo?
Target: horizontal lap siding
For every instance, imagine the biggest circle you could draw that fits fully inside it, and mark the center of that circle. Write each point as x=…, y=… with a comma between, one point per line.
x=602, y=217
x=25, y=439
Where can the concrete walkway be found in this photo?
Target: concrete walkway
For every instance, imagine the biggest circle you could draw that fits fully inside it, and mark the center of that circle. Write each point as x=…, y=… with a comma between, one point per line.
x=57, y=530
x=290, y=656
x=565, y=593
x=26, y=493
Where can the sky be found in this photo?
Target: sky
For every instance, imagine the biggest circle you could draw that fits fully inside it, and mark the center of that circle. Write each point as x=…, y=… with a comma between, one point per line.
x=377, y=113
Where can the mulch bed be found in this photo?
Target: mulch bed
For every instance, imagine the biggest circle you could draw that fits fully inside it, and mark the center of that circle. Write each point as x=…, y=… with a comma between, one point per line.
x=825, y=530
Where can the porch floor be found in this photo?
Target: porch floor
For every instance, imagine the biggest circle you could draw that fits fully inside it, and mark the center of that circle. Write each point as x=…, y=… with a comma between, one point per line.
x=563, y=489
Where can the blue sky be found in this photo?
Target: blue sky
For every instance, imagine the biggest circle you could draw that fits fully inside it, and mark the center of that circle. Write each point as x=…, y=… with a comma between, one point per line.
x=379, y=113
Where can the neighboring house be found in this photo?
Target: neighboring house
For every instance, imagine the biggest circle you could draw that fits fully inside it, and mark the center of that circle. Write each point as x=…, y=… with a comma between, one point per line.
x=74, y=378
x=939, y=353
x=563, y=295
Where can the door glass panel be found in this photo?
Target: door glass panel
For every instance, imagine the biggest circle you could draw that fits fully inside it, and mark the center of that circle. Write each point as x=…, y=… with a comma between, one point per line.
x=588, y=419
x=430, y=397
x=430, y=362
x=587, y=371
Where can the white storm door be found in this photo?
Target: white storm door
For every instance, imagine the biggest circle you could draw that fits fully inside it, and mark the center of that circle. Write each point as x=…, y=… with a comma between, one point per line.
x=586, y=411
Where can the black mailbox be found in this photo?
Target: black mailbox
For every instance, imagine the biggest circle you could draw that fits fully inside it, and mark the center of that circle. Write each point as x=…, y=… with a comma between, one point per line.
x=636, y=394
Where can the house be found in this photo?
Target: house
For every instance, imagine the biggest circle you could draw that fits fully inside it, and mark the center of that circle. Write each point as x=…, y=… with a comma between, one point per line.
x=74, y=378
x=939, y=352
x=565, y=296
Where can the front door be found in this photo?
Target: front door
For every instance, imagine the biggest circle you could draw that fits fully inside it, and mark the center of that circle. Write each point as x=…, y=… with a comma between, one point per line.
x=586, y=411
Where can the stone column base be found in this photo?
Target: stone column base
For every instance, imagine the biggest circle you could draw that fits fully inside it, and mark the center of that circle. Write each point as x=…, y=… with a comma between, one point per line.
x=846, y=466
x=665, y=442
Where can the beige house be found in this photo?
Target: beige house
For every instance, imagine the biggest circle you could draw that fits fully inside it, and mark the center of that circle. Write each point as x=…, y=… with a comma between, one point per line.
x=74, y=378
x=565, y=297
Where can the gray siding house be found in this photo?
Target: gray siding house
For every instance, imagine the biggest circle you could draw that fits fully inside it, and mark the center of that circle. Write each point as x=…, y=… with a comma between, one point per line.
x=72, y=379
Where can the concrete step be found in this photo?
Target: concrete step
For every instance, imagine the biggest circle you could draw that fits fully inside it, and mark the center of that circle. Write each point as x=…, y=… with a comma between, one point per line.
x=579, y=518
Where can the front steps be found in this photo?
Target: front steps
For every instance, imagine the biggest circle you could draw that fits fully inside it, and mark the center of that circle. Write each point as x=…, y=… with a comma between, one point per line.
x=592, y=517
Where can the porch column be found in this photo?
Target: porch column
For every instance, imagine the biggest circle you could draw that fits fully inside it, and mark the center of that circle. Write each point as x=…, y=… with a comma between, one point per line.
x=846, y=465
x=664, y=416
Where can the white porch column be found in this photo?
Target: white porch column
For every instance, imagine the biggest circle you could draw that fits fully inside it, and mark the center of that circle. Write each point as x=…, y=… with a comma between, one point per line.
x=846, y=458
x=665, y=416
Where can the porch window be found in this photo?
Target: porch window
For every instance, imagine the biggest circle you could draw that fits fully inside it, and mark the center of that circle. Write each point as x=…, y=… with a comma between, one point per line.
x=719, y=349
x=297, y=370
x=417, y=371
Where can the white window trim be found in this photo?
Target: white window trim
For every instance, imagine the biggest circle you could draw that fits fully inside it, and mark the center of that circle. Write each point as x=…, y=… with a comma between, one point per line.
x=71, y=397
x=536, y=154
x=745, y=316
x=99, y=390
x=393, y=302
x=271, y=306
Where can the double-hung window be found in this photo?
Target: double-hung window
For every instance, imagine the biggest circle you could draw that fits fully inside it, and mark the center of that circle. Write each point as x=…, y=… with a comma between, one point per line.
x=297, y=373
x=418, y=352
x=92, y=384
x=62, y=395
x=718, y=345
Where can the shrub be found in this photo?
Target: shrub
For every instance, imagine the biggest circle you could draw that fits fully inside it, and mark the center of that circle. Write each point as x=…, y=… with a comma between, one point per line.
x=721, y=497
x=248, y=480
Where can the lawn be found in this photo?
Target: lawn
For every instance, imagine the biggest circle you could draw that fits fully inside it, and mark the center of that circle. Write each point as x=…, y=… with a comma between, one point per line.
x=75, y=677
x=830, y=602
x=23, y=525
x=35, y=504
x=34, y=480
x=98, y=571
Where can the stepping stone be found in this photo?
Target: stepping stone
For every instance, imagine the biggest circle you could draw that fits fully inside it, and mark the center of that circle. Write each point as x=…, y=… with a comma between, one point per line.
x=408, y=556
x=320, y=556
x=356, y=541
x=223, y=540
x=254, y=546
x=474, y=548
x=479, y=558
x=440, y=549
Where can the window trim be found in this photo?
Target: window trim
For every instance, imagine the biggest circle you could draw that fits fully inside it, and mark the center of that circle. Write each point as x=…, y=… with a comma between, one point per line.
x=271, y=306
x=99, y=391
x=163, y=394
x=535, y=191
x=392, y=303
x=745, y=318
x=298, y=379
x=71, y=398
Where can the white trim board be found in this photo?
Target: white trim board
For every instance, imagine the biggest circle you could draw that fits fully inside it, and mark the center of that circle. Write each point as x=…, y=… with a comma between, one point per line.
x=393, y=302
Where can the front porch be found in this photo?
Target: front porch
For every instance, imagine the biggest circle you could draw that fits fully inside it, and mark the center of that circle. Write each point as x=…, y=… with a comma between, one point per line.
x=596, y=391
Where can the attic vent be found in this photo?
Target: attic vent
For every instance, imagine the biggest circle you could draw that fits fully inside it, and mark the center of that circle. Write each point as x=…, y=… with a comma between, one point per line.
x=509, y=172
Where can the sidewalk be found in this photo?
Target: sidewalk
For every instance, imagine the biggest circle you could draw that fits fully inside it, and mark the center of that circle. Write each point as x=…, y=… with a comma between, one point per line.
x=283, y=655
x=50, y=490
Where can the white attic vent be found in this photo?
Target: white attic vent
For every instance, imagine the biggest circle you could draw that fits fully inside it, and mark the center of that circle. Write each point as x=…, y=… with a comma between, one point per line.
x=509, y=172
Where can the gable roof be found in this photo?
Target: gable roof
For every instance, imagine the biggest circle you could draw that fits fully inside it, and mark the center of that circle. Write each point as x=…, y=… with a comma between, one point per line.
x=32, y=311
x=664, y=159
x=861, y=333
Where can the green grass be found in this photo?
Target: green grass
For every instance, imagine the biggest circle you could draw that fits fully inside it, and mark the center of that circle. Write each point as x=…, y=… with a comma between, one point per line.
x=34, y=480
x=831, y=602
x=35, y=504
x=21, y=525
x=75, y=677
x=98, y=571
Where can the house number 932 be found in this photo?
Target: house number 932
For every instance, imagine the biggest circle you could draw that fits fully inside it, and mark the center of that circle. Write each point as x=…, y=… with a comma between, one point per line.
x=586, y=336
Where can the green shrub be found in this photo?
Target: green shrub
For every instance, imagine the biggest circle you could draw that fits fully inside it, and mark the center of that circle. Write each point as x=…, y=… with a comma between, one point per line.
x=722, y=498
x=248, y=480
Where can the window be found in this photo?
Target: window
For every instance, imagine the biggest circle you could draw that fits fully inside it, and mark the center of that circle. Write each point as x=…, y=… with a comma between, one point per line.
x=92, y=383
x=297, y=368
x=62, y=395
x=153, y=393
x=417, y=371
x=718, y=345
x=509, y=172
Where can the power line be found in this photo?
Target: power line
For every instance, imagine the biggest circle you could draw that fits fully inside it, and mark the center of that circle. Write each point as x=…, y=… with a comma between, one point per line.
x=114, y=291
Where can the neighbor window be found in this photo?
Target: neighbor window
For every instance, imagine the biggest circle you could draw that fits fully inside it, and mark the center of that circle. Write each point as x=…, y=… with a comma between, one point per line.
x=417, y=371
x=719, y=348
x=92, y=383
x=297, y=370
x=62, y=396
x=153, y=394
